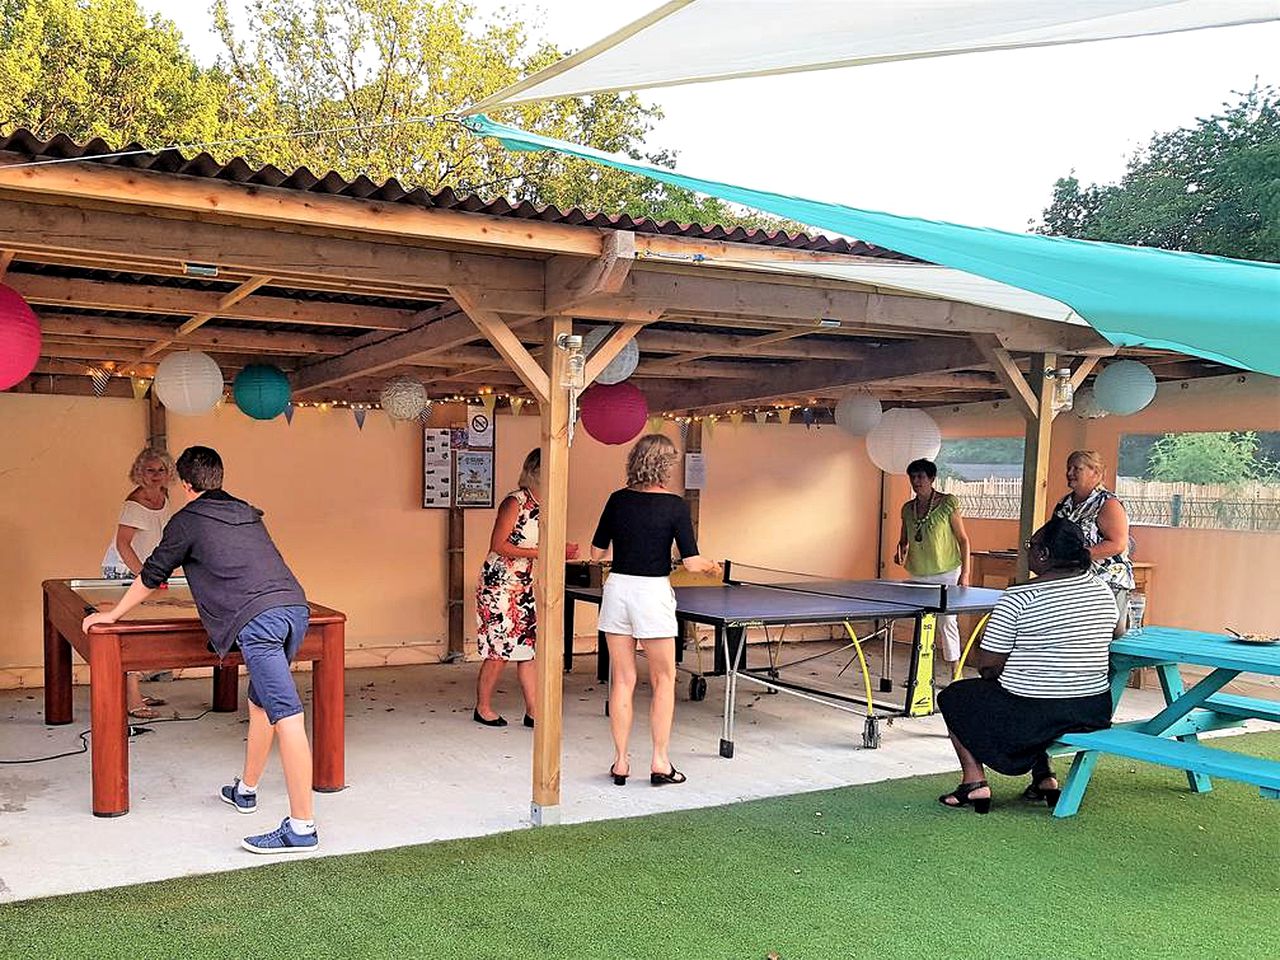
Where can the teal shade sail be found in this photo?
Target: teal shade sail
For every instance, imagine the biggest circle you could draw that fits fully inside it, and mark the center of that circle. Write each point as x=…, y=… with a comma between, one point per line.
x=1217, y=308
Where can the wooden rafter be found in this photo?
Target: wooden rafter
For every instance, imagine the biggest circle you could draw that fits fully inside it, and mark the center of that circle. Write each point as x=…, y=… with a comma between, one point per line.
x=570, y=281
x=229, y=299
x=6, y=258
x=504, y=340
x=1013, y=380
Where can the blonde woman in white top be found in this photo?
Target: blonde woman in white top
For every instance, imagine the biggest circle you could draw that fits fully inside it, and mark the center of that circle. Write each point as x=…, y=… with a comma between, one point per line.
x=142, y=518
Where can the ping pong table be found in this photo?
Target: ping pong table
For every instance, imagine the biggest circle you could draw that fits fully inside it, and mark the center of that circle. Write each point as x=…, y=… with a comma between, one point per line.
x=754, y=597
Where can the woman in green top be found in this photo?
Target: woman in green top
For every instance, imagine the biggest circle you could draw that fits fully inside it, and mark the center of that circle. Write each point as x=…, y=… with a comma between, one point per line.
x=934, y=546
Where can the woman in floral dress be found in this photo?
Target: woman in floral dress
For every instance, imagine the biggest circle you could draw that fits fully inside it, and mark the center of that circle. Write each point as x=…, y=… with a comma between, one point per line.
x=505, y=609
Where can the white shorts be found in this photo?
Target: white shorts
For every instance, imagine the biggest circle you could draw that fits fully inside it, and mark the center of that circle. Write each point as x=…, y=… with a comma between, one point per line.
x=640, y=607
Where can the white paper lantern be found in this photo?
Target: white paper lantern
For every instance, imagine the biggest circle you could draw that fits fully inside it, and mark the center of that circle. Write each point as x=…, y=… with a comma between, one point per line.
x=1125, y=387
x=621, y=366
x=1086, y=405
x=903, y=435
x=857, y=414
x=188, y=383
x=403, y=398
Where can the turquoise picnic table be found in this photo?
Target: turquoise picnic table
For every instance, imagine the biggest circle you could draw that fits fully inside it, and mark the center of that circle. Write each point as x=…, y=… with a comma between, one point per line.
x=1171, y=737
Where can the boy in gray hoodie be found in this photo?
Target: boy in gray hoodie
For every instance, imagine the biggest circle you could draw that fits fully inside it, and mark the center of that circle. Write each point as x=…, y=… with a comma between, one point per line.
x=247, y=598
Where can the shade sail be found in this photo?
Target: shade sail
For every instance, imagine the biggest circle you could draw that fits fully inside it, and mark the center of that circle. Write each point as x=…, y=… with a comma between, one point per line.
x=696, y=41
x=1220, y=309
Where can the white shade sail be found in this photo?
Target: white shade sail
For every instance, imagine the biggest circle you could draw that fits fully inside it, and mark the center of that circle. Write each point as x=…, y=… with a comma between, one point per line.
x=696, y=41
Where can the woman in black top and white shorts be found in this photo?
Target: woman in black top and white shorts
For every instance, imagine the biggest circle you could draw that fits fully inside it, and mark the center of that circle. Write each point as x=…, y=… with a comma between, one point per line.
x=639, y=524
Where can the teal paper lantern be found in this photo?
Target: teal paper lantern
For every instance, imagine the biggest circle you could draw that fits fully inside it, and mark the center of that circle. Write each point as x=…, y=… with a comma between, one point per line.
x=1125, y=387
x=261, y=391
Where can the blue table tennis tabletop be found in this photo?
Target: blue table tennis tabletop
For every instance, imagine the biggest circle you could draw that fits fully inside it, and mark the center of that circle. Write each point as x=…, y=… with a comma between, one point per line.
x=814, y=601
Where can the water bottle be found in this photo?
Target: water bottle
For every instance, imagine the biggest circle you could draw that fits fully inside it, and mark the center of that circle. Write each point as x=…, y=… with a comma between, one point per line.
x=1137, y=611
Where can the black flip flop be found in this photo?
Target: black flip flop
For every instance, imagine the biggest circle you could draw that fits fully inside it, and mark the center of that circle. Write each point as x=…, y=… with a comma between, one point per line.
x=662, y=779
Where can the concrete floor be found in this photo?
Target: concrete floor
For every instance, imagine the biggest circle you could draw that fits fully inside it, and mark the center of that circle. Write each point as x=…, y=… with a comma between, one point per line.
x=418, y=770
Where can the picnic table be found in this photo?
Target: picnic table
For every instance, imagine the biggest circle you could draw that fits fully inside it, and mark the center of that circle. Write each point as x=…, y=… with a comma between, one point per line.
x=1171, y=737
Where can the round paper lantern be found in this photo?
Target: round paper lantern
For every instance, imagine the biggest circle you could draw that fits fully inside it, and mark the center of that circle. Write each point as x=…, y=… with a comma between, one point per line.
x=1086, y=405
x=903, y=435
x=1125, y=387
x=403, y=398
x=621, y=366
x=261, y=391
x=613, y=413
x=858, y=413
x=188, y=383
x=19, y=338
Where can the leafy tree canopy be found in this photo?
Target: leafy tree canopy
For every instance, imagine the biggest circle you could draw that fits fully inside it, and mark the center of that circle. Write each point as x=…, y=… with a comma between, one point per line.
x=364, y=74
x=1213, y=187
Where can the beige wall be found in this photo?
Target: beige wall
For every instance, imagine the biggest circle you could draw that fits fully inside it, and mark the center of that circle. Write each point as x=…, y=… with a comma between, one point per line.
x=344, y=507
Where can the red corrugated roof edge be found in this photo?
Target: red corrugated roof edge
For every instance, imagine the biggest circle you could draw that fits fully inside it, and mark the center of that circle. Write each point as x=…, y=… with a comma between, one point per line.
x=27, y=146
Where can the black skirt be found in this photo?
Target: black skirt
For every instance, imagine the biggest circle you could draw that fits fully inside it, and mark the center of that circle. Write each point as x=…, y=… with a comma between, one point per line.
x=1008, y=733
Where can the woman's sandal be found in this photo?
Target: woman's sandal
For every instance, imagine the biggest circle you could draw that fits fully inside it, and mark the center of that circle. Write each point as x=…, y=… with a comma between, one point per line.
x=662, y=779
x=1036, y=793
x=619, y=779
x=961, y=797
x=144, y=713
x=154, y=701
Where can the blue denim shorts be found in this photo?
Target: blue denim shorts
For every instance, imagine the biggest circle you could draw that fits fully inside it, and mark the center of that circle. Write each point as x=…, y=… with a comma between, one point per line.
x=268, y=643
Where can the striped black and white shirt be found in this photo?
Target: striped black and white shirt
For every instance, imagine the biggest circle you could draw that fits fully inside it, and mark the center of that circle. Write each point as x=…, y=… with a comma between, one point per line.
x=1057, y=634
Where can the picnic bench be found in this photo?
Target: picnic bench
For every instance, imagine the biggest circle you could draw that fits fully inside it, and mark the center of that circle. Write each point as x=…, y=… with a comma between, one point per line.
x=1171, y=737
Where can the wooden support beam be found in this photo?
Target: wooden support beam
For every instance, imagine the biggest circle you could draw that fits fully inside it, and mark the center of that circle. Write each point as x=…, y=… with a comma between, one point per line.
x=824, y=376
x=609, y=349
x=6, y=258
x=1082, y=371
x=552, y=527
x=455, y=553
x=1020, y=392
x=438, y=330
x=92, y=295
x=157, y=423
x=87, y=327
x=1035, y=459
x=776, y=344
x=504, y=340
x=569, y=281
x=229, y=299
x=297, y=257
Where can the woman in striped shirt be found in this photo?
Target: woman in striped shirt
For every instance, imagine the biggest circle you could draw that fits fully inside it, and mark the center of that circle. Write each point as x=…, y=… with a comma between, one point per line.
x=1043, y=671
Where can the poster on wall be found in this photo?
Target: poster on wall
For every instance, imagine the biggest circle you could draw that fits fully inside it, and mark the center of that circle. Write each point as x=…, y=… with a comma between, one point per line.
x=474, y=480
x=479, y=428
x=437, y=469
x=455, y=472
x=695, y=471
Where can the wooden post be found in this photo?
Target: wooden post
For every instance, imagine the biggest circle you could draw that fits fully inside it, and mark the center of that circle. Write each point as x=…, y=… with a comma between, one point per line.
x=693, y=444
x=552, y=530
x=157, y=423
x=456, y=586
x=1035, y=456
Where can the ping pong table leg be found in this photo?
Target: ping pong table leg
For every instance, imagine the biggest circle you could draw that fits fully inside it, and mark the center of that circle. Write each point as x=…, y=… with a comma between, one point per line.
x=734, y=643
x=886, y=659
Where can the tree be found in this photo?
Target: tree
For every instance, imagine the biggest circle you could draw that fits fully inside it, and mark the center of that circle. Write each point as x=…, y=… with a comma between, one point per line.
x=102, y=68
x=1210, y=188
x=1222, y=458
x=378, y=76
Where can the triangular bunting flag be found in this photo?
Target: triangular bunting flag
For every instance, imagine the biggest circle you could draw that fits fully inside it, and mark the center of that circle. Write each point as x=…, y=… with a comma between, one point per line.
x=784, y=415
x=807, y=415
x=424, y=415
x=654, y=425
x=358, y=413
x=140, y=386
x=489, y=400
x=517, y=404
x=708, y=424
x=736, y=417
x=101, y=380
x=288, y=414
x=684, y=431
x=762, y=416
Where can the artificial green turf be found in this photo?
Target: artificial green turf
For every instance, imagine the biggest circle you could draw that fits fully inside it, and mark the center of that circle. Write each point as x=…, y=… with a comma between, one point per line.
x=1145, y=870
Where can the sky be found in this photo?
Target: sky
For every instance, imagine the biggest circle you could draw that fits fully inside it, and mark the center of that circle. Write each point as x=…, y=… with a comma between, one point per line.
x=977, y=139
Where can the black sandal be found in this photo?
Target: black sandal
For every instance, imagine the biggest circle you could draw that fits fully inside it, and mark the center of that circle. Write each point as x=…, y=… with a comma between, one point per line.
x=662, y=779
x=1036, y=794
x=619, y=779
x=961, y=797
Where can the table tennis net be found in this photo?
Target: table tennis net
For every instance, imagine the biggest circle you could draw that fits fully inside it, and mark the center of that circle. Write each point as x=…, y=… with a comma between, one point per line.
x=903, y=593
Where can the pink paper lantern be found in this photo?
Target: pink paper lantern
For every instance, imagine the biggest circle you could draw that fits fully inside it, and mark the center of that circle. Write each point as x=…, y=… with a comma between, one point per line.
x=613, y=413
x=19, y=338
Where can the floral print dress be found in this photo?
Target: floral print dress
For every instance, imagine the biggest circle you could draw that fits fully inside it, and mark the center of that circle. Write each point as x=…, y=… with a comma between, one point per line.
x=505, y=609
x=1116, y=571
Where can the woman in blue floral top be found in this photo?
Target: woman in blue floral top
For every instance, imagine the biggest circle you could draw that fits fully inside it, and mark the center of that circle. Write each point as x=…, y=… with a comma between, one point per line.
x=1102, y=517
